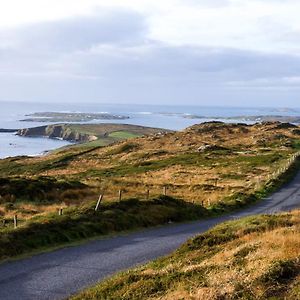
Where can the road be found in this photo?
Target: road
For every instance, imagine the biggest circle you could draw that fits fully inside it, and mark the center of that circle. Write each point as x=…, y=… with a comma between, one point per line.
x=64, y=272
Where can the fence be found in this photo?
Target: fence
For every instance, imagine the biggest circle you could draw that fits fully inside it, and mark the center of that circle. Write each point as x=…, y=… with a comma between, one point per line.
x=167, y=191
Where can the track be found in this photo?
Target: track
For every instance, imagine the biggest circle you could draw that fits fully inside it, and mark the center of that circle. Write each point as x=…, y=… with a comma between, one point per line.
x=61, y=273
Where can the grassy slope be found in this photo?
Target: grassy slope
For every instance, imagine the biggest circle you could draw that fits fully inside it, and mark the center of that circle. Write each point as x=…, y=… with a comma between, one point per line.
x=254, y=258
x=72, y=178
x=240, y=164
x=83, y=222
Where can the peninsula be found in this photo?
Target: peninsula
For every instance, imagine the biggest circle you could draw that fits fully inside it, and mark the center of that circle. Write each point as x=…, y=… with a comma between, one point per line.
x=104, y=134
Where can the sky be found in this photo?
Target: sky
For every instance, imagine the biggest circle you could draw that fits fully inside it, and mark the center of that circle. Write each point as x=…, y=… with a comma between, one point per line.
x=178, y=52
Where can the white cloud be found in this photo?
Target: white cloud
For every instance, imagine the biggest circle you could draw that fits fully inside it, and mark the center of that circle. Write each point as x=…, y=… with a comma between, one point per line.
x=138, y=50
x=243, y=24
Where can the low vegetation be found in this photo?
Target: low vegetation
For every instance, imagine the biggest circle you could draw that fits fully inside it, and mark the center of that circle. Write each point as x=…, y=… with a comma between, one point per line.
x=83, y=222
x=213, y=167
x=214, y=164
x=253, y=258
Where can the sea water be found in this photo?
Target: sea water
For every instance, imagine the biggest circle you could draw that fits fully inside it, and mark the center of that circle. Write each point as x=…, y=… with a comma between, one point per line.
x=162, y=116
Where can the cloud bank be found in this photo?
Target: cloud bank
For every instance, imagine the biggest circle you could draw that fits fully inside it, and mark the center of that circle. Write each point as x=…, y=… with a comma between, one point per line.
x=199, y=52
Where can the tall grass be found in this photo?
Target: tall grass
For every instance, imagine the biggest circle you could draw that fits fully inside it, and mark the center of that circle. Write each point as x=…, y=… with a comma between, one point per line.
x=83, y=222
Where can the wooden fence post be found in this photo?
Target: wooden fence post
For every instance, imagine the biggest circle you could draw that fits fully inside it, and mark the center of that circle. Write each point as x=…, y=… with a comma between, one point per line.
x=148, y=194
x=60, y=212
x=99, y=202
x=15, y=221
x=120, y=195
x=258, y=183
x=165, y=191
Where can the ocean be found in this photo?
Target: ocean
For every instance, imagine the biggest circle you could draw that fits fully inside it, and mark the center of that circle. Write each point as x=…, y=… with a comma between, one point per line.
x=163, y=116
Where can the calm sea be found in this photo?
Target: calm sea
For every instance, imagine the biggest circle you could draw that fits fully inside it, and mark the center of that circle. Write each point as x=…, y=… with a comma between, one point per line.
x=169, y=117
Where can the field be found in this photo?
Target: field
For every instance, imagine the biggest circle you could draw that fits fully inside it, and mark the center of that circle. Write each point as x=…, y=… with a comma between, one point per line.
x=212, y=167
x=253, y=258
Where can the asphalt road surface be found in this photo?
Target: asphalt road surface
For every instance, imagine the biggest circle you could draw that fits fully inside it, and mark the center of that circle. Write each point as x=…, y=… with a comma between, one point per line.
x=64, y=272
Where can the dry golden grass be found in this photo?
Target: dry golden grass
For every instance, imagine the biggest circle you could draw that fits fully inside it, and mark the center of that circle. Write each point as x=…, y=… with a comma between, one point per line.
x=267, y=247
x=261, y=263
x=250, y=154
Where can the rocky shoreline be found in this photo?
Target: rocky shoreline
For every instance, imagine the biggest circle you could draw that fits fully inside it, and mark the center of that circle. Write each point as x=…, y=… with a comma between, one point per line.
x=57, y=131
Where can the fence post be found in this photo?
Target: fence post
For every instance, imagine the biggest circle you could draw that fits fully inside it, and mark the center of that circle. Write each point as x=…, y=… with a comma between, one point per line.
x=15, y=221
x=148, y=194
x=60, y=212
x=120, y=195
x=165, y=191
x=258, y=183
x=99, y=202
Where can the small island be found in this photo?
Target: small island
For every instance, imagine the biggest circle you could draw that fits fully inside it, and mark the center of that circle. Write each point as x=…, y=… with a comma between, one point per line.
x=71, y=117
x=262, y=118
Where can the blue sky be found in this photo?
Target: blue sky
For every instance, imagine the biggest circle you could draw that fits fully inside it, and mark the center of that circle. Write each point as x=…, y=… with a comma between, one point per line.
x=200, y=52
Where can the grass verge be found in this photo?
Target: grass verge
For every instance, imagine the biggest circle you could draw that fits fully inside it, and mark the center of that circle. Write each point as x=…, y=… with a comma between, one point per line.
x=83, y=222
x=242, y=200
x=253, y=258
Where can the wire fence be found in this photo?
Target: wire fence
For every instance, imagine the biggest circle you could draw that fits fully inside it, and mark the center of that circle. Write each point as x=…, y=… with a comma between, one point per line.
x=166, y=190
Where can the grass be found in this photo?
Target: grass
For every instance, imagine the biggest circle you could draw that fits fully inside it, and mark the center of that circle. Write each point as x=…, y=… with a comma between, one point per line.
x=83, y=222
x=79, y=223
x=253, y=258
x=230, y=174
x=240, y=200
x=38, y=189
x=186, y=159
x=122, y=135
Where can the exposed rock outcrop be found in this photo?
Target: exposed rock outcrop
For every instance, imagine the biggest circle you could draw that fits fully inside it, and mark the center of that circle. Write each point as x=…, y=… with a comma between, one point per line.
x=58, y=131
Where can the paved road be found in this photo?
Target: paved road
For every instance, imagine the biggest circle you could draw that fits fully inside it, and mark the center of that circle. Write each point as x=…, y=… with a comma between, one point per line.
x=64, y=272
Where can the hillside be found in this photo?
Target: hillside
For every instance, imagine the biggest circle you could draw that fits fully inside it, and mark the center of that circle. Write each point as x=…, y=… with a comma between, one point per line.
x=204, y=170
x=253, y=258
x=212, y=162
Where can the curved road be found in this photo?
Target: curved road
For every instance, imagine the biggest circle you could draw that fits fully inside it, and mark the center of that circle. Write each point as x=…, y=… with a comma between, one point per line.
x=61, y=273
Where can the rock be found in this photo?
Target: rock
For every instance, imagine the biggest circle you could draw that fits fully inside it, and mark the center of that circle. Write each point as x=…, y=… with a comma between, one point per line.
x=296, y=132
x=207, y=147
x=57, y=131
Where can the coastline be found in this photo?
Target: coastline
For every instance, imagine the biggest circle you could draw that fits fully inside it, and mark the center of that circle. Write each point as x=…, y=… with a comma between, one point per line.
x=13, y=145
x=66, y=134
x=170, y=117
